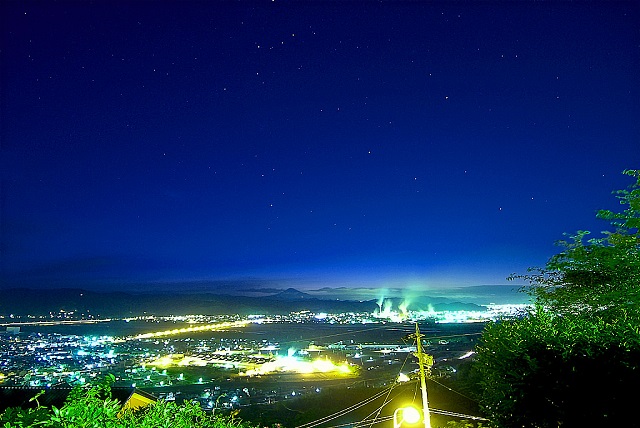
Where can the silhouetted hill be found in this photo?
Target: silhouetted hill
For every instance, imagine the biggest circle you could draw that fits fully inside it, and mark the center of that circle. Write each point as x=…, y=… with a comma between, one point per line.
x=291, y=294
x=24, y=301
x=21, y=301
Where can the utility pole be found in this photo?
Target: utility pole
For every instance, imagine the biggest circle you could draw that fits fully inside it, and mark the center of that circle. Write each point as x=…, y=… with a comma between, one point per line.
x=423, y=381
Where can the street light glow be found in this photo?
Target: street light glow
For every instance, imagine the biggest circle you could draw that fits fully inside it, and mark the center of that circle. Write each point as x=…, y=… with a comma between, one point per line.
x=406, y=416
x=411, y=415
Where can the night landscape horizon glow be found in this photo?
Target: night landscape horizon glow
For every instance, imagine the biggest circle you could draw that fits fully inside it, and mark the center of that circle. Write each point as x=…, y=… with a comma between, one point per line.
x=339, y=148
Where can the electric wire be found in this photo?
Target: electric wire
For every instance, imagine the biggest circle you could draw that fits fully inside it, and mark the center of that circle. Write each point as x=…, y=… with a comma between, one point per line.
x=370, y=422
x=355, y=424
x=354, y=407
x=457, y=415
x=453, y=335
x=379, y=410
x=335, y=415
x=312, y=339
x=386, y=401
x=383, y=327
x=377, y=419
x=390, y=417
x=388, y=390
x=453, y=390
x=346, y=410
x=362, y=403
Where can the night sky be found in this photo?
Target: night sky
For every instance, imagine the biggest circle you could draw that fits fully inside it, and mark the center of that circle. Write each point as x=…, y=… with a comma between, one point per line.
x=241, y=145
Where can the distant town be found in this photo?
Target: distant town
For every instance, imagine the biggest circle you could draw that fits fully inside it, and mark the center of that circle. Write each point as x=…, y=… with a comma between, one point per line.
x=228, y=361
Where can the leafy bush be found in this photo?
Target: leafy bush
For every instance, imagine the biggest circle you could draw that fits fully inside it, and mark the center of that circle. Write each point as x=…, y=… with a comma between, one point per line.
x=573, y=360
x=546, y=371
x=94, y=408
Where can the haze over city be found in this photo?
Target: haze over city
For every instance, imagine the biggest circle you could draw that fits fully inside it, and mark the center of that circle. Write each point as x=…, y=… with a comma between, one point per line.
x=341, y=148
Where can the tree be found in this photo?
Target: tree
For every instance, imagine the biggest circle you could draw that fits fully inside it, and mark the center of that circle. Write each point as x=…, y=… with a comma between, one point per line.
x=545, y=370
x=571, y=360
x=597, y=276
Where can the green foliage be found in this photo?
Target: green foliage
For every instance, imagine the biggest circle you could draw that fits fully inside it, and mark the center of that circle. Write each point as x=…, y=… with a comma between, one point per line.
x=598, y=276
x=628, y=221
x=544, y=370
x=572, y=360
x=170, y=415
x=13, y=417
x=94, y=407
x=463, y=424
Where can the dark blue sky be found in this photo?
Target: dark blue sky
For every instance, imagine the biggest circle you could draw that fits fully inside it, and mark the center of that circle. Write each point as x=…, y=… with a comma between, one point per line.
x=308, y=144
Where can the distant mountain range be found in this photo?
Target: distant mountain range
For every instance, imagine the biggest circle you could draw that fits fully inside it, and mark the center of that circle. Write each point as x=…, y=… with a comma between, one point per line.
x=25, y=301
x=291, y=294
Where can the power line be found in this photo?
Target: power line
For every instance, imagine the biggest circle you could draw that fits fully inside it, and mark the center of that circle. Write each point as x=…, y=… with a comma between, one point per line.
x=383, y=327
x=458, y=415
x=388, y=418
x=453, y=390
x=370, y=422
x=345, y=411
x=388, y=391
x=406, y=358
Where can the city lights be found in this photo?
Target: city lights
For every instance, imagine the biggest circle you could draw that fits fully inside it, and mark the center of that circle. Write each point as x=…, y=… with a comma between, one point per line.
x=293, y=365
x=184, y=330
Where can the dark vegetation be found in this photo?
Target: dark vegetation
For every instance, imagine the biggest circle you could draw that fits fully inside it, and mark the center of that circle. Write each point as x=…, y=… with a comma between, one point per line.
x=95, y=407
x=574, y=359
